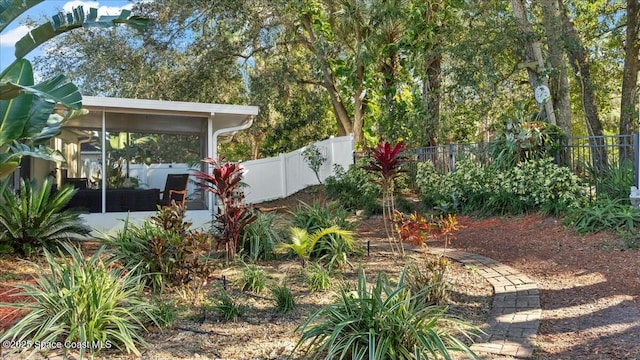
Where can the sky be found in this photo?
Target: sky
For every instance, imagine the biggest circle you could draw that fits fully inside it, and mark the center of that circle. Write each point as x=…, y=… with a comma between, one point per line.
x=48, y=8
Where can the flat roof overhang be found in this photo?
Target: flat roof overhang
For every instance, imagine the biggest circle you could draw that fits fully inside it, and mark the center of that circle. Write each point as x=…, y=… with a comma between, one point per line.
x=160, y=116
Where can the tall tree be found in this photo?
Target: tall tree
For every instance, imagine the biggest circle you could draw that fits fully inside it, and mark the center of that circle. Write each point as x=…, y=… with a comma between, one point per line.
x=559, y=80
x=630, y=72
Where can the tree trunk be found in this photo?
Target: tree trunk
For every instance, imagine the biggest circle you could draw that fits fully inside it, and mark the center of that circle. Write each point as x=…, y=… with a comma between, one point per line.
x=533, y=61
x=580, y=63
x=345, y=125
x=431, y=86
x=559, y=81
x=630, y=72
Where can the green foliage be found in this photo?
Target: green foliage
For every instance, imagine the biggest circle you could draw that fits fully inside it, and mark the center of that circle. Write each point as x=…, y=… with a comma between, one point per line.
x=382, y=322
x=314, y=158
x=612, y=180
x=34, y=218
x=355, y=189
x=261, y=237
x=533, y=185
x=602, y=215
x=316, y=216
x=331, y=245
x=227, y=307
x=520, y=140
x=252, y=278
x=83, y=300
x=283, y=298
x=317, y=277
x=163, y=251
x=430, y=282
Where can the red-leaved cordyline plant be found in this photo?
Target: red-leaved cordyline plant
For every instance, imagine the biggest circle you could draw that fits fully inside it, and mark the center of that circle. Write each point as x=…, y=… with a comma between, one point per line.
x=386, y=163
x=224, y=182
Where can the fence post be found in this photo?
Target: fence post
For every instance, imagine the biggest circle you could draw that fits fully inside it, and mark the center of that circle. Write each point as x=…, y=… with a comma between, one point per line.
x=452, y=158
x=636, y=159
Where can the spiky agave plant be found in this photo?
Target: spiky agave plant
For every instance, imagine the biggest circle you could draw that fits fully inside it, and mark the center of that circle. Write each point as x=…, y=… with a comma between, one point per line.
x=33, y=218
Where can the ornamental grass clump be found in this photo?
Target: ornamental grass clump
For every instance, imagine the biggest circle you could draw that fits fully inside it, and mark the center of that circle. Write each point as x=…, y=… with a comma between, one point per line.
x=382, y=322
x=83, y=301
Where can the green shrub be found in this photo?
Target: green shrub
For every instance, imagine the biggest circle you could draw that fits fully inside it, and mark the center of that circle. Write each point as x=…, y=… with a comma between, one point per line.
x=316, y=216
x=283, y=298
x=317, y=277
x=355, y=189
x=534, y=185
x=83, y=300
x=227, y=308
x=34, y=218
x=163, y=251
x=605, y=214
x=430, y=283
x=260, y=237
x=381, y=323
x=332, y=245
x=252, y=278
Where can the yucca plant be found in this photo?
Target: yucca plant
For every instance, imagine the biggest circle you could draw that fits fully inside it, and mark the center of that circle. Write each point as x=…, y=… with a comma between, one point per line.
x=83, y=300
x=34, y=218
x=382, y=323
x=283, y=298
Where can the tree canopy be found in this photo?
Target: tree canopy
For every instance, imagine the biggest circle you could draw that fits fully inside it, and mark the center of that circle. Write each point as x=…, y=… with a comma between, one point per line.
x=423, y=71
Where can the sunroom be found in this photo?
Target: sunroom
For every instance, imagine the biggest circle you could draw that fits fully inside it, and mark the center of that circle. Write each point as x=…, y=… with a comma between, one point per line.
x=122, y=152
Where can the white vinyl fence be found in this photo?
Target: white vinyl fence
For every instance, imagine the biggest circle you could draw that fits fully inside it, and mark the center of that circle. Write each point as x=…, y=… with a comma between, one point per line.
x=278, y=177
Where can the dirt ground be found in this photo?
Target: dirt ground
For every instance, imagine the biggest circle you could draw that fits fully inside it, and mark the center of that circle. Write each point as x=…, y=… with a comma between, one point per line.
x=590, y=293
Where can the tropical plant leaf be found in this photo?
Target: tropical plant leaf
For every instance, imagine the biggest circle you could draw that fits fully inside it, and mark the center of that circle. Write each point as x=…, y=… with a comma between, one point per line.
x=64, y=22
x=11, y=9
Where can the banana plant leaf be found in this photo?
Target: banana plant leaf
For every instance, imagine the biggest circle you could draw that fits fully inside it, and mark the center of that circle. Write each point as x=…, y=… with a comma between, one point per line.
x=11, y=9
x=10, y=160
x=64, y=22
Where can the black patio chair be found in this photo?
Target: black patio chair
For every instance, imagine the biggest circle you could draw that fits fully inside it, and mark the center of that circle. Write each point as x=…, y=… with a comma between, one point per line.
x=175, y=189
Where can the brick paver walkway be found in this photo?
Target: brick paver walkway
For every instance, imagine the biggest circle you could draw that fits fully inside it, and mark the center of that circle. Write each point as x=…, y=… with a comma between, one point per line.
x=515, y=314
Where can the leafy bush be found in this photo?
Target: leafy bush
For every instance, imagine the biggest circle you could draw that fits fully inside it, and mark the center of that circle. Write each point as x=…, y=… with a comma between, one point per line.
x=283, y=298
x=529, y=186
x=260, y=237
x=355, y=189
x=34, y=218
x=605, y=214
x=252, y=278
x=382, y=323
x=163, y=251
x=83, y=300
